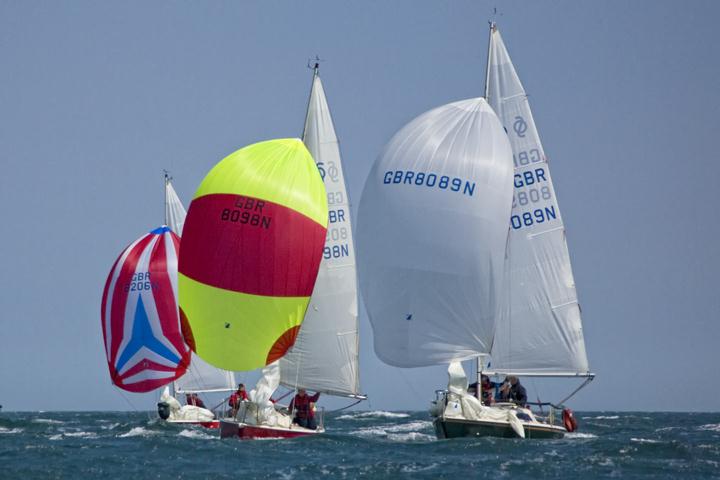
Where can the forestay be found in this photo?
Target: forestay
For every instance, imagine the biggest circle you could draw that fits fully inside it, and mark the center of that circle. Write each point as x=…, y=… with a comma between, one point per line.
x=200, y=376
x=432, y=232
x=325, y=355
x=539, y=331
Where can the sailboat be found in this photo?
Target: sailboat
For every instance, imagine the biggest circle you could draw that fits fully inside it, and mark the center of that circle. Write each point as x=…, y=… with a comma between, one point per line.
x=514, y=308
x=200, y=377
x=252, y=245
x=539, y=331
x=325, y=355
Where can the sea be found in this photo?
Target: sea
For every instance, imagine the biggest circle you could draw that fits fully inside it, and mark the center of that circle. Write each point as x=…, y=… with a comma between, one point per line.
x=358, y=444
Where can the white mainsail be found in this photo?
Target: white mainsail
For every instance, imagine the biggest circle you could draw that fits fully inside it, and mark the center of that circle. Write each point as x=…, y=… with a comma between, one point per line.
x=539, y=331
x=325, y=355
x=200, y=376
x=432, y=232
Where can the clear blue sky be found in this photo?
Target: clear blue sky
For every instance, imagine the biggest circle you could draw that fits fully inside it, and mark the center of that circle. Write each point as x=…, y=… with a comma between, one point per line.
x=97, y=98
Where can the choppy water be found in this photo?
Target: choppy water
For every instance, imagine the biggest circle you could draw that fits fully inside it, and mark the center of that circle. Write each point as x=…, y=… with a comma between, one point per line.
x=358, y=444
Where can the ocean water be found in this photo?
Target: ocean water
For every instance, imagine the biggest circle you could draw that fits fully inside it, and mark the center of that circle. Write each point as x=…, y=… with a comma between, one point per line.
x=369, y=444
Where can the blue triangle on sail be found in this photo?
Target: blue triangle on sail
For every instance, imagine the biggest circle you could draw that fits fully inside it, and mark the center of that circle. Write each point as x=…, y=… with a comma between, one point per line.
x=142, y=336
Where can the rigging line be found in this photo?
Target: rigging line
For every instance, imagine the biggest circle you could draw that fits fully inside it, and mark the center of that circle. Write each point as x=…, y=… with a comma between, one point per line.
x=221, y=404
x=537, y=395
x=409, y=384
x=126, y=399
x=346, y=407
x=284, y=395
x=587, y=380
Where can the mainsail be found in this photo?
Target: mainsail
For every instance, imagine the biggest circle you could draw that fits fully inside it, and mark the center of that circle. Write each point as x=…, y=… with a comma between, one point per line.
x=200, y=376
x=539, y=331
x=143, y=341
x=432, y=232
x=325, y=355
x=251, y=250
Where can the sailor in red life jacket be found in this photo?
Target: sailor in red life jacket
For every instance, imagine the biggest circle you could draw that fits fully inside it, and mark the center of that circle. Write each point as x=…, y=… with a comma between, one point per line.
x=238, y=396
x=302, y=405
x=193, y=399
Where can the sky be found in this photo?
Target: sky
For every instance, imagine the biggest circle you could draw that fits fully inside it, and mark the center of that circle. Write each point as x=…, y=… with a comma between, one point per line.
x=97, y=98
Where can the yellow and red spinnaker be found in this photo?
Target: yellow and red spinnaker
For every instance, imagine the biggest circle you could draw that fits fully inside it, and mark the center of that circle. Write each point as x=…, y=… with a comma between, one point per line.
x=251, y=249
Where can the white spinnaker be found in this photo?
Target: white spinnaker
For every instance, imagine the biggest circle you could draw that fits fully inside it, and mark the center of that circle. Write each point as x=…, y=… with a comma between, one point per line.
x=325, y=355
x=432, y=231
x=200, y=376
x=539, y=331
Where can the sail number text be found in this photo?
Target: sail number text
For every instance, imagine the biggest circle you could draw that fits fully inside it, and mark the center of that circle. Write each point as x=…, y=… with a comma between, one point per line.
x=247, y=211
x=336, y=239
x=526, y=158
x=140, y=281
x=432, y=180
x=532, y=190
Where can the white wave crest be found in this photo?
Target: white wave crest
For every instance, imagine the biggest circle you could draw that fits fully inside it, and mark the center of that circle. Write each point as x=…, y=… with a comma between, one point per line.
x=375, y=414
x=409, y=427
x=713, y=427
x=110, y=427
x=196, y=434
x=602, y=417
x=9, y=431
x=138, y=432
x=411, y=437
x=80, y=434
x=580, y=435
x=644, y=440
x=403, y=432
x=418, y=468
x=46, y=420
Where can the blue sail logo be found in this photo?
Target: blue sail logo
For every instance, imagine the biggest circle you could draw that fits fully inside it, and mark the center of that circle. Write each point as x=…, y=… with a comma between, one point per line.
x=520, y=126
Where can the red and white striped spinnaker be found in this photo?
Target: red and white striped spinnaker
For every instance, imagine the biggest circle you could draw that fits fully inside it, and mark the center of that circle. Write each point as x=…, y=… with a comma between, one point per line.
x=141, y=326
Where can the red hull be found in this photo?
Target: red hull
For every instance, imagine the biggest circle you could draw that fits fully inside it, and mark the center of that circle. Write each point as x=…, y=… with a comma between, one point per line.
x=249, y=432
x=212, y=424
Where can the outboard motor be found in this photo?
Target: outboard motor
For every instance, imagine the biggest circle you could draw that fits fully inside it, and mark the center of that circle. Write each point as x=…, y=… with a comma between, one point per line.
x=163, y=410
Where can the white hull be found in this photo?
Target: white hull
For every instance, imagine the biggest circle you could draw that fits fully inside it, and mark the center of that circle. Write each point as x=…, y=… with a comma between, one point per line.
x=464, y=416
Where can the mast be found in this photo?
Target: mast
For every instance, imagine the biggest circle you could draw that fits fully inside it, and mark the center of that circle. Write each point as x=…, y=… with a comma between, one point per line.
x=479, y=361
x=173, y=388
x=165, y=184
x=487, y=64
x=316, y=72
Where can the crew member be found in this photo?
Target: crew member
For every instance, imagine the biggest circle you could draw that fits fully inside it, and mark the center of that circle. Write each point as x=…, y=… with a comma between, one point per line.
x=237, y=396
x=302, y=406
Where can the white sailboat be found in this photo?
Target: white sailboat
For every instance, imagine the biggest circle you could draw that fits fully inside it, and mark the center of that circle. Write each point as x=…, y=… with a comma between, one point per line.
x=539, y=329
x=324, y=357
x=200, y=377
x=446, y=280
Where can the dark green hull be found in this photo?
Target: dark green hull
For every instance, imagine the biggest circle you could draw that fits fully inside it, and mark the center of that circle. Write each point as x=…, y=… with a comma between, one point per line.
x=458, y=428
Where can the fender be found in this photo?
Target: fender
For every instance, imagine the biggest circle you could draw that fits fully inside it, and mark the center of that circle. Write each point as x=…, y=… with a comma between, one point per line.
x=569, y=420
